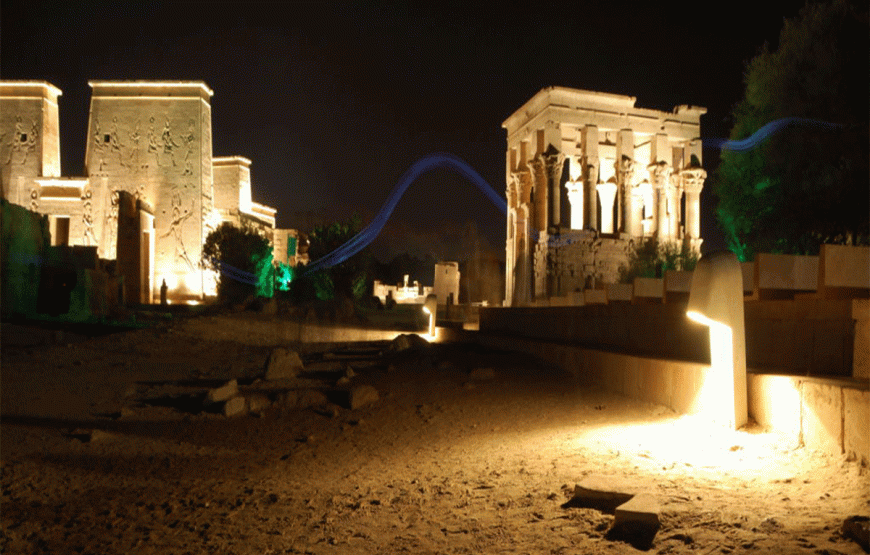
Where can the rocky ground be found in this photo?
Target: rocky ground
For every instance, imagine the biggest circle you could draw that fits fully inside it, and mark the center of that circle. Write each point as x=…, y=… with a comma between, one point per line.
x=120, y=444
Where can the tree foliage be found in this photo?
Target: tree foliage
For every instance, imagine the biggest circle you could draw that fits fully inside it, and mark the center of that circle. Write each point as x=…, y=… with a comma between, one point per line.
x=242, y=248
x=349, y=279
x=803, y=186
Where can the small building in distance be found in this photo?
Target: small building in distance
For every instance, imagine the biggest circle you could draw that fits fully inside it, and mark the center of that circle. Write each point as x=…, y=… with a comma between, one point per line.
x=149, y=158
x=589, y=175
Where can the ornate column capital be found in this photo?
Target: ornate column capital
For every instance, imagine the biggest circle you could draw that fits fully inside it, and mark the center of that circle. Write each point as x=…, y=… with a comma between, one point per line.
x=660, y=173
x=693, y=179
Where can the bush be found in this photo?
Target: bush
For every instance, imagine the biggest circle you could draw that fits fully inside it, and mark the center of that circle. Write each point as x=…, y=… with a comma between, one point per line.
x=241, y=248
x=650, y=258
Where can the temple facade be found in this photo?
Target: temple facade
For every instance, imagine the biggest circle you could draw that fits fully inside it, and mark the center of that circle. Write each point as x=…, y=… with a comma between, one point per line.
x=148, y=167
x=589, y=175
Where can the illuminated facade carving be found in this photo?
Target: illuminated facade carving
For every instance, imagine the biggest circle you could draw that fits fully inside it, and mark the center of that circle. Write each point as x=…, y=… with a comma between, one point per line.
x=148, y=140
x=589, y=175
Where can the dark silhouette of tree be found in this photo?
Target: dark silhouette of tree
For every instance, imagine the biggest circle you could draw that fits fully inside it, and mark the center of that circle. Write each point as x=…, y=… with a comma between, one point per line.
x=804, y=186
x=242, y=248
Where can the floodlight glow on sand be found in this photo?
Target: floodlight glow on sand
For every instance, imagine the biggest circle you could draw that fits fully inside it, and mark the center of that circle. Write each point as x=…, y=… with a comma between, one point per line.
x=716, y=301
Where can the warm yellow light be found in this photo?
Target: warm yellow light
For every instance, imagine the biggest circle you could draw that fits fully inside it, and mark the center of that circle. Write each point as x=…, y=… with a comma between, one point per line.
x=192, y=302
x=426, y=310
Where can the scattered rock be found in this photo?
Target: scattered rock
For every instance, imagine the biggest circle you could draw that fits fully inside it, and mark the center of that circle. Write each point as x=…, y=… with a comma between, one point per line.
x=601, y=493
x=235, y=406
x=363, y=395
x=482, y=374
x=408, y=342
x=348, y=372
x=310, y=398
x=283, y=364
x=222, y=393
x=90, y=436
x=257, y=403
x=343, y=381
x=857, y=528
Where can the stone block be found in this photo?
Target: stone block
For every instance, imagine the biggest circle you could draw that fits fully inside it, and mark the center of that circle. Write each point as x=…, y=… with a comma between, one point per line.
x=781, y=275
x=642, y=509
x=856, y=425
x=595, y=296
x=861, y=345
x=257, y=403
x=283, y=364
x=821, y=417
x=622, y=292
x=362, y=395
x=222, y=393
x=648, y=288
x=602, y=493
x=774, y=402
x=748, y=270
x=844, y=266
x=677, y=285
x=235, y=407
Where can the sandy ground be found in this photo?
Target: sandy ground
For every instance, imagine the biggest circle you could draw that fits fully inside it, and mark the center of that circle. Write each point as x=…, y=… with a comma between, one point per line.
x=106, y=449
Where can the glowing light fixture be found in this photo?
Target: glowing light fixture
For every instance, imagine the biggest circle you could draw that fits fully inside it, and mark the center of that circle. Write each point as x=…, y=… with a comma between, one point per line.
x=431, y=308
x=716, y=301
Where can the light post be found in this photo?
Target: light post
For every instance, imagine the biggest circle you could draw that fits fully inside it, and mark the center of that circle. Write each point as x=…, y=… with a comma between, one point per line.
x=716, y=300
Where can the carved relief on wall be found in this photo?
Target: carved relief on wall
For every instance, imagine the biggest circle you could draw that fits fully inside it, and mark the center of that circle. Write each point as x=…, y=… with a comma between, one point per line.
x=90, y=237
x=133, y=160
x=34, y=200
x=179, y=216
x=152, y=144
x=169, y=145
x=111, y=229
x=22, y=141
x=99, y=145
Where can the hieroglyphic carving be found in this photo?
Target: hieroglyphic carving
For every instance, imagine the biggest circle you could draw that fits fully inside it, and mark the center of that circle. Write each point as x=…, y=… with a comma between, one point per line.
x=34, y=200
x=99, y=144
x=111, y=229
x=88, y=216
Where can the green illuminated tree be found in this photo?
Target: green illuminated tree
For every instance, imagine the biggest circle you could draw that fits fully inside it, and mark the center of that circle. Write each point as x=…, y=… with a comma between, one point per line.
x=242, y=248
x=803, y=186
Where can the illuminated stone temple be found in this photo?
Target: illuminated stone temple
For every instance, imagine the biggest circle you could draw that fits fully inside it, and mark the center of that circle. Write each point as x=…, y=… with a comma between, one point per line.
x=589, y=175
x=148, y=166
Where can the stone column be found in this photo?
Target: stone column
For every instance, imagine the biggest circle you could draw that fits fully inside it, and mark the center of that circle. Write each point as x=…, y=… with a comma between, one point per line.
x=628, y=192
x=607, y=195
x=673, y=192
x=554, y=160
x=624, y=176
x=590, y=163
x=693, y=182
x=660, y=174
x=540, y=208
x=590, y=182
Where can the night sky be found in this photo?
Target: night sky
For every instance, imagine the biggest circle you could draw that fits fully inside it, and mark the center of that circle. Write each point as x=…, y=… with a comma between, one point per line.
x=333, y=102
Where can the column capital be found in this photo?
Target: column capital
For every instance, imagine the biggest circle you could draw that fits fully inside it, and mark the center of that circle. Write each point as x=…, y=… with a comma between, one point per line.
x=660, y=173
x=693, y=179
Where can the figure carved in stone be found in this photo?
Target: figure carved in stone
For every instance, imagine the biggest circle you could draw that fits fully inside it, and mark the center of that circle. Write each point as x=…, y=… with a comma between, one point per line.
x=88, y=217
x=99, y=143
x=134, y=149
x=169, y=145
x=23, y=142
x=179, y=216
x=152, y=143
x=114, y=142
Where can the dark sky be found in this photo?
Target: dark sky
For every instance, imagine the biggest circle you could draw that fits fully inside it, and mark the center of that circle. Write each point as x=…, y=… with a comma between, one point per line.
x=333, y=102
